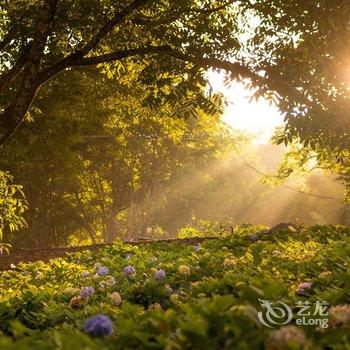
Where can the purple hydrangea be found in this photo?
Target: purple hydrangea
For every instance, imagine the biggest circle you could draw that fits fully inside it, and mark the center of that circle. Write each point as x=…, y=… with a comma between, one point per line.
x=254, y=237
x=197, y=247
x=86, y=292
x=159, y=275
x=85, y=274
x=99, y=326
x=304, y=289
x=102, y=271
x=129, y=271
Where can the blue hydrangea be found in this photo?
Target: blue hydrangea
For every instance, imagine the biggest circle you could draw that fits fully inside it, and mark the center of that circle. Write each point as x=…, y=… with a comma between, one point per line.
x=129, y=271
x=254, y=237
x=103, y=271
x=159, y=275
x=99, y=326
x=86, y=292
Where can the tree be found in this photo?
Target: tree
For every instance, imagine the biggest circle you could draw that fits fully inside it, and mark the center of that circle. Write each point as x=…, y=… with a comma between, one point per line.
x=92, y=172
x=268, y=44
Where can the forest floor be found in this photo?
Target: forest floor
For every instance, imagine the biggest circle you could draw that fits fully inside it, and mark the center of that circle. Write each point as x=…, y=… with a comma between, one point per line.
x=32, y=255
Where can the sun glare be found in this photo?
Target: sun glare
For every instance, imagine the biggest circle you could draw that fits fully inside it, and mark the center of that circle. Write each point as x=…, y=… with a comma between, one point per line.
x=256, y=117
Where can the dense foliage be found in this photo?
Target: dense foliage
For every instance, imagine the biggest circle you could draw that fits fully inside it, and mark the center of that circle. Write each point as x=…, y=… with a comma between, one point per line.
x=99, y=164
x=12, y=206
x=101, y=171
x=170, y=296
x=294, y=53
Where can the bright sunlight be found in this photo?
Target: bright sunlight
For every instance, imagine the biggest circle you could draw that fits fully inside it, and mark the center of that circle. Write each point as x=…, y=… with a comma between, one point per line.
x=256, y=117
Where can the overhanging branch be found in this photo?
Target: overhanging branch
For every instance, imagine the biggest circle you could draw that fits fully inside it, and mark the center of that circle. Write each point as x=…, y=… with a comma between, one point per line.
x=94, y=60
x=235, y=68
x=114, y=56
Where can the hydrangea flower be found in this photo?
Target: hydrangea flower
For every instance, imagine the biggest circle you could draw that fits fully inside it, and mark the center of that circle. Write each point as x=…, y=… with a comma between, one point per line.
x=128, y=256
x=86, y=292
x=99, y=326
x=155, y=306
x=159, y=275
x=111, y=281
x=184, y=270
x=287, y=337
x=97, y=266
x=76, y=302
x=339, y=316
x=276, y=252
x=197, y=247
x=174, y=297
x=129, y=271
x=168, y=289
x=70, y=291
x=325, y=274
x=254, y=237
x=304, y=289
x=116, y=298
x=103, y=271
x=85, y=274
x=229, y=262
x=39, y=275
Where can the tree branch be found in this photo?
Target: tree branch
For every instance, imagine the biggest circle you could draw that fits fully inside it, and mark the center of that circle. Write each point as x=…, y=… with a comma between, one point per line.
x=114, y=56
x=7, y=77
x=77, y=56
x=94, y=60
x=110, y=25
x=96, y=39
x=235, y=68
x=239, y=70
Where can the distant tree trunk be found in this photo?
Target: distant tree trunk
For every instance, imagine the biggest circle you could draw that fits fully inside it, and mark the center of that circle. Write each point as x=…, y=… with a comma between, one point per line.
x=130, y=226
x=111, y=223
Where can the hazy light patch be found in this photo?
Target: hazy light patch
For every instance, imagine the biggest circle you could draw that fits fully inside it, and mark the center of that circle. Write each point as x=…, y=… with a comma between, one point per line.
x=256, y=117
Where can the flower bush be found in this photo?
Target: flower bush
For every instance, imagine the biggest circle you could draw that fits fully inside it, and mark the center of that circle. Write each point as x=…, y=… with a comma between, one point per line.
x=182, y=296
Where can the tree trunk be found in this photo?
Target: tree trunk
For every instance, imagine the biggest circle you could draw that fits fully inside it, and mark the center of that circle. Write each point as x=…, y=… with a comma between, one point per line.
x=15, y=113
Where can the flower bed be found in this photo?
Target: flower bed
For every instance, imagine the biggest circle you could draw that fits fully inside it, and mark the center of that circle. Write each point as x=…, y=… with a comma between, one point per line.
x=171, y=296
